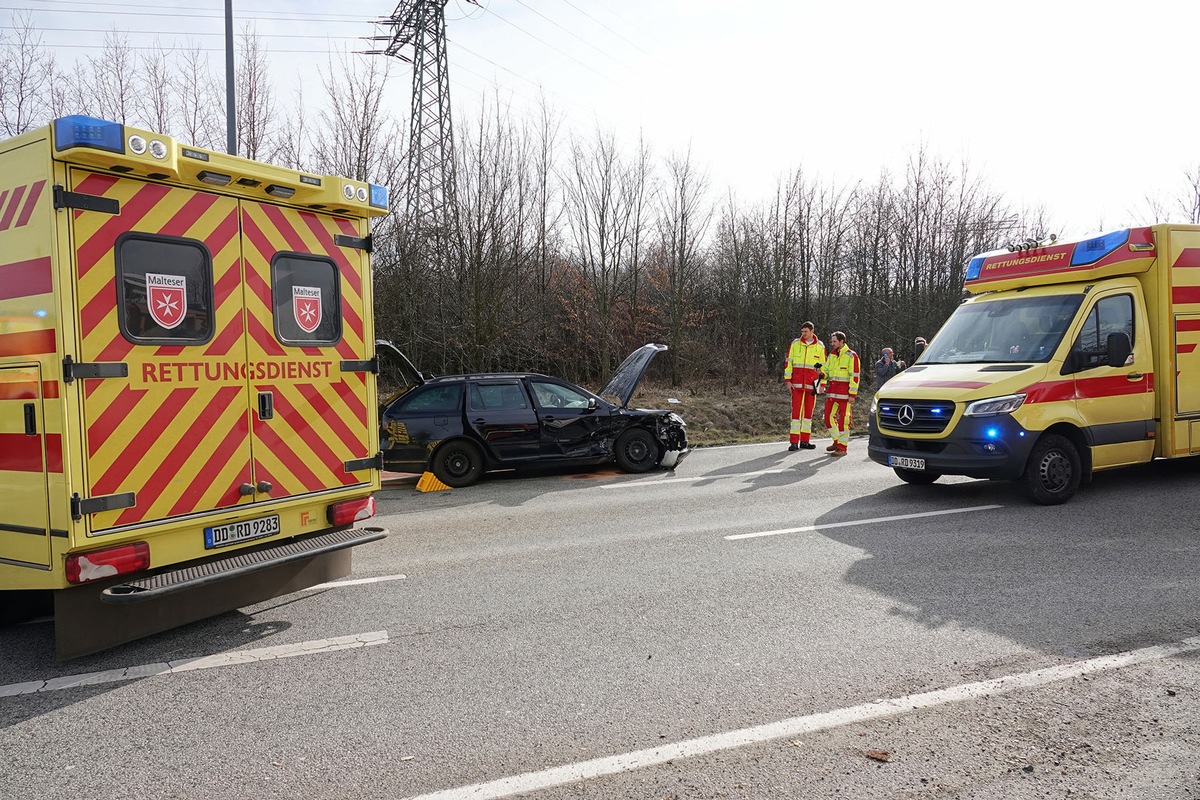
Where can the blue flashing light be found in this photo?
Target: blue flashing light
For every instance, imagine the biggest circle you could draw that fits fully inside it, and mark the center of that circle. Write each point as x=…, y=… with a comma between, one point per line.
x=937, y=412
x=81, y=131
x=975, y=268
x=1090, y=251
x=41, y=313
x=379, y=196
x=992, y=433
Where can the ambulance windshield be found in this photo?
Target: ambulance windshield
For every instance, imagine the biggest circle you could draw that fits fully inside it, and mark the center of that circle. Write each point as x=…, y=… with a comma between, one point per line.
x=1015, y=329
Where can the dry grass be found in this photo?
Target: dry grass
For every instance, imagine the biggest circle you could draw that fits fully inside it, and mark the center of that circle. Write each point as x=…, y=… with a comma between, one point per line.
x=760, y=412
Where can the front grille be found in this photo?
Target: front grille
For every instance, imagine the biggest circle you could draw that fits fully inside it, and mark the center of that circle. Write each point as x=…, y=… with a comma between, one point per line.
x=921, y=416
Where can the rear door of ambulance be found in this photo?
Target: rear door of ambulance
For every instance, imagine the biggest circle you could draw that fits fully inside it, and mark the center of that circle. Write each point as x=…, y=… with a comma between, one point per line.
x=308, y=330
x=161, y=350
x=223, y=404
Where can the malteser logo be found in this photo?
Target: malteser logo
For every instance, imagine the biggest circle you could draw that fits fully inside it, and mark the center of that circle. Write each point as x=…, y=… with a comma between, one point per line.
x=166, y=295
x=306, y=305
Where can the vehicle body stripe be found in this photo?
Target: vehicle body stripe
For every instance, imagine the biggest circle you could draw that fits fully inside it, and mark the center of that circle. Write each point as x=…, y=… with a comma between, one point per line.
x=148, y=435
x=133, y=210
x=1185, y=294
x=1184, y=348
x=10, y=209
x=22, y=453
x=1087, y=388
x=34, y=195
x=28, y=343
x=222, y=455
x=26, y=278
x=1188, y=257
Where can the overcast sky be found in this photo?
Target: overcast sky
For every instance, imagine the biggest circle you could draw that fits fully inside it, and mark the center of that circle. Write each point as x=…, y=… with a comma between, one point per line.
x=1081, y=107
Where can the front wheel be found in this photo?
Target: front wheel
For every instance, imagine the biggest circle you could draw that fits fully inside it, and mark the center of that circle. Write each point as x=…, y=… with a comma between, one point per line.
x=1054, y=471
x=915, y=477
x=457, y=464
x=637, y=451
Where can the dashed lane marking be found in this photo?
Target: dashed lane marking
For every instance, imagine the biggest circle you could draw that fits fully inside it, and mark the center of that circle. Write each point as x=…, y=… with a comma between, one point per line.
x=202, y=662
x=798, y=726
x=871, y=521
x=354, y=582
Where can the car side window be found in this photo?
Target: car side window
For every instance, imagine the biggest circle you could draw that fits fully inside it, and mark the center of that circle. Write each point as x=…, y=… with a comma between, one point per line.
x=555, y=395
x=446, y=399
x=1109, y=315
x=491, y=396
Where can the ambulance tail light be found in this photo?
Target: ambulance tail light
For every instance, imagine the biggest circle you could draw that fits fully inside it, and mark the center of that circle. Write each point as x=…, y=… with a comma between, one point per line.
x=96, y=564
x=81, y=131
x=351, y=511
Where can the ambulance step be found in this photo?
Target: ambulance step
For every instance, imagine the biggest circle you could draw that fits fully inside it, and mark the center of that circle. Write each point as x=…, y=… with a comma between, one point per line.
x=236, y=565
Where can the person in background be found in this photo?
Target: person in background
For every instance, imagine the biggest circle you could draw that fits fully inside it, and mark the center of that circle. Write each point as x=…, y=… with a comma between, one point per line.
x=886, y=367
x=802, y=374
x=918, y=348
x=839, y=381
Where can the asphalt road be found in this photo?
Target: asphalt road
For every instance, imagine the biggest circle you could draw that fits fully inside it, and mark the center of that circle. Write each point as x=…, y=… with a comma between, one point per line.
x=755, y=624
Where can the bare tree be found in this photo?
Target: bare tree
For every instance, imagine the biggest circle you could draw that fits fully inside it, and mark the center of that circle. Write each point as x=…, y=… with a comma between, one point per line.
x=199, y=96
x=255, y=98
x=114, y=78
x=27, y=74
x=154, y=100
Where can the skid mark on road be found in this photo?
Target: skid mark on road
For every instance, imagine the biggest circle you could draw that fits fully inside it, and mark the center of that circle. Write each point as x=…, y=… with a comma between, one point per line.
x=202, y=662
x=862, y=522
x=798, y=726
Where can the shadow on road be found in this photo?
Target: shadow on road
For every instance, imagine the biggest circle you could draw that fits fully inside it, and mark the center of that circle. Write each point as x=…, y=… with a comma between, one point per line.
x=1117, y=567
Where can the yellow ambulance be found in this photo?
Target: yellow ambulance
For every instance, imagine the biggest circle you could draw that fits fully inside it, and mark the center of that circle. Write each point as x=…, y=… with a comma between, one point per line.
x=1067, y=358
x=188, y=417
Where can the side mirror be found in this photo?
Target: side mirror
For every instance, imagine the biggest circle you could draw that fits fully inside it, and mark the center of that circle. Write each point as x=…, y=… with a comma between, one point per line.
x=592, y=404
x=1119, y=348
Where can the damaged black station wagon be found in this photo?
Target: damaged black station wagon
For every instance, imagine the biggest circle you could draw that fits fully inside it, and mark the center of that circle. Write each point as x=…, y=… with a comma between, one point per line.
x=459, y=426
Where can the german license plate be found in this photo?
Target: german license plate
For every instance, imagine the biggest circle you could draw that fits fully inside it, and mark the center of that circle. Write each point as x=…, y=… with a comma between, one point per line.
x=904, y=462
x=237, y=532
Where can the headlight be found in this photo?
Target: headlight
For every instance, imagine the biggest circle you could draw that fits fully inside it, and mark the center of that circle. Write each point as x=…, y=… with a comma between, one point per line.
x=994, y=406
x=673, y=417
x=874, y=404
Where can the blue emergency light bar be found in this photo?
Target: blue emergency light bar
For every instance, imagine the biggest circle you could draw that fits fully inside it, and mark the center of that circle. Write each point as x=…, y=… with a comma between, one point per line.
x=1089, y=251
x=379, y=196
x=81, y=131
x=975, y=268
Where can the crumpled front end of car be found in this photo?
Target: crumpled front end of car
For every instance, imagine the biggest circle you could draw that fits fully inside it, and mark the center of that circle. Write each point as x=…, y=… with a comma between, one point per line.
x=671, y=431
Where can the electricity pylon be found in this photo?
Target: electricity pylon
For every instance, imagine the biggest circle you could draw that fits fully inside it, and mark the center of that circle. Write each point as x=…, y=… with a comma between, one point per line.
x=431, y=189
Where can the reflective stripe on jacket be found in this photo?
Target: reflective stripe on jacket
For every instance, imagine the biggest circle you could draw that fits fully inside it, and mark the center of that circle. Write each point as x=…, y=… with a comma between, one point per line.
x=839, y=375
x=803, y=363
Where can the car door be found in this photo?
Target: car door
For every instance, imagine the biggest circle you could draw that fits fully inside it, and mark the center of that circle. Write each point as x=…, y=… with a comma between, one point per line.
x=501, y=414
x=1117, y=403
x=574, y=424
x=415, y=424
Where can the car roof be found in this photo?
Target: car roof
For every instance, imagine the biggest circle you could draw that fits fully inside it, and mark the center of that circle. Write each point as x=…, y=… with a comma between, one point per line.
x=471, y=376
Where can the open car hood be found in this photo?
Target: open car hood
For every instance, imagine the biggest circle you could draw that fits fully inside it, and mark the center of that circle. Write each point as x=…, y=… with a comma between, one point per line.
x=625, y=380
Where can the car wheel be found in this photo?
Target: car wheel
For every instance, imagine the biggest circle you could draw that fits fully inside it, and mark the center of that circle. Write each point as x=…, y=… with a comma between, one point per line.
x=637, y=451
x=1053, y=472
x=458, y=463
x=915, y=477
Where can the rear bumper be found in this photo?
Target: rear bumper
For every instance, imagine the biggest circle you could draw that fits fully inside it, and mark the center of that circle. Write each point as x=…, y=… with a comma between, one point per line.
x=239, y=564
x=978, y=447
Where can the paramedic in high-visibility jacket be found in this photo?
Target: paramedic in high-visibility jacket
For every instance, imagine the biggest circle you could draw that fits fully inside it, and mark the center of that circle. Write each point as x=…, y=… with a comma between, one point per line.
x=802, y=374
x=839, y=381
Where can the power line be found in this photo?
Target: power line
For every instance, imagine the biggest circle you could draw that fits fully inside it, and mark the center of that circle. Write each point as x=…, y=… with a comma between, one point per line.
x=577, y=36
x=177, y=33
x=614, y=33
x=242, y=12
x=358, y=21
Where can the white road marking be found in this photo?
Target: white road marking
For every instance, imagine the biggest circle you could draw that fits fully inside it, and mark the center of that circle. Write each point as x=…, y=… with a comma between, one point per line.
x=203, y=662
x=626, y=484
x=798, y=726
x=861, y=522
x=354, y=582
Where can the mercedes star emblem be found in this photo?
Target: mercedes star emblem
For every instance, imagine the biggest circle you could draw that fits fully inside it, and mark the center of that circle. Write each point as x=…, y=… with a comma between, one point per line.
x=906, y=415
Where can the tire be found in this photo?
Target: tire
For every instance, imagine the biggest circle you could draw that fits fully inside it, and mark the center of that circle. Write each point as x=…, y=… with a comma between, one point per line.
x=915, y=477
x=1054, y=470
x=458, y=463
x=636, y=451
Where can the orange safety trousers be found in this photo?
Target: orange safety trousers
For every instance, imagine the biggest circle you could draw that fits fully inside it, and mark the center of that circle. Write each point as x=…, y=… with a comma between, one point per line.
x=803, y=403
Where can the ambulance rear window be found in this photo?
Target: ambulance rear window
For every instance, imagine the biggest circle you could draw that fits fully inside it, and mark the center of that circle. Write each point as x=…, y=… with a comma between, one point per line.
x=306, y=293
x=164, y=290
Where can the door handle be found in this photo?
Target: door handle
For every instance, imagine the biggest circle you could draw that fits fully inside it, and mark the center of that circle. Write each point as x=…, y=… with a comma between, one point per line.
x=480, y=421
x=266, y=405
x=30, y=419
x=1134, y=376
